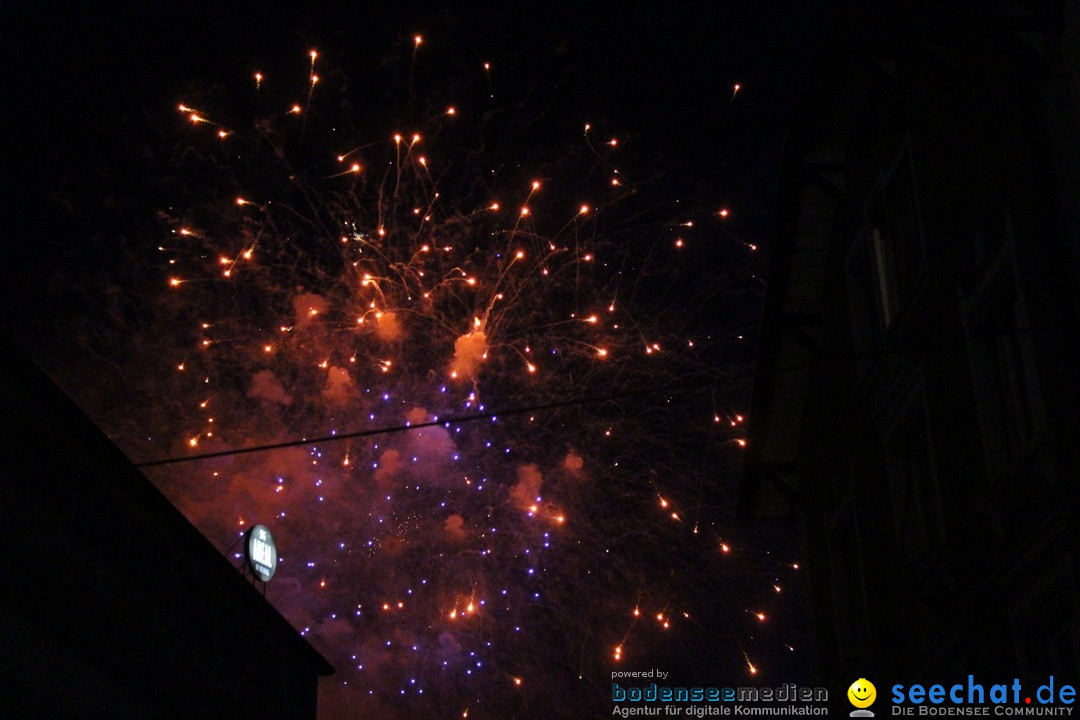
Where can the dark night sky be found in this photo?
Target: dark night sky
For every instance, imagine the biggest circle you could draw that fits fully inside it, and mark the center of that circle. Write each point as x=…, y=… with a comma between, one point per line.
x=86, y=84
x=89, y=92
x=92, y=93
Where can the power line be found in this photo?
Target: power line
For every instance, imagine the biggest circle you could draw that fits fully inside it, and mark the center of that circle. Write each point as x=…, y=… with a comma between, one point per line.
x=432, y=423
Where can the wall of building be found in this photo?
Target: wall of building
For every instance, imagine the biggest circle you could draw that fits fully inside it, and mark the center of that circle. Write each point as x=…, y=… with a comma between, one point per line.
x=918, y=401
x=113, y=605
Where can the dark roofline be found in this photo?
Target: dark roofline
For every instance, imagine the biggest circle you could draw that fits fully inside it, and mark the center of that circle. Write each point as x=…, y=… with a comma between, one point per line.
x=131, y=485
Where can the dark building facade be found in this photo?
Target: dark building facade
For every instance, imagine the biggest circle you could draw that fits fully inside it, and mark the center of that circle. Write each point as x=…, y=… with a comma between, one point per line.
x=112, y=605
x=917, y=399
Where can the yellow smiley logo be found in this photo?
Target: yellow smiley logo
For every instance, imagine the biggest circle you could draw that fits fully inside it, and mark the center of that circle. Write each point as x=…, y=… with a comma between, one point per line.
x=862, y=693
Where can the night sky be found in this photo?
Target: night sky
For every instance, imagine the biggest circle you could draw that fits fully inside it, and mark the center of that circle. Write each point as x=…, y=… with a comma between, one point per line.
x=502, y=566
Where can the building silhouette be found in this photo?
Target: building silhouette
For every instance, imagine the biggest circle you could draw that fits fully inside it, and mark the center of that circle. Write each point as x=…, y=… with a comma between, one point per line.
x=111, y=603
x=916, y=403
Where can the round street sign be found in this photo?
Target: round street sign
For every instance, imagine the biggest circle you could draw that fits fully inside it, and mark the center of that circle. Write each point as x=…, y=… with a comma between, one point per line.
x=261, y=552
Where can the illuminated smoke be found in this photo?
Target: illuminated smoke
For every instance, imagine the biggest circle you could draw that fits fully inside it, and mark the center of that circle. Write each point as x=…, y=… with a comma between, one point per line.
x=340, y=387
x=265, y=386
x=389, y=327
x=573, y=462
x=455, y=528
x=527, y=490
x=470, y=350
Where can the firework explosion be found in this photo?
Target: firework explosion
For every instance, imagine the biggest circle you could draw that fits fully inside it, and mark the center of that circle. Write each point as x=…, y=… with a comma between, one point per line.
x=520, y=425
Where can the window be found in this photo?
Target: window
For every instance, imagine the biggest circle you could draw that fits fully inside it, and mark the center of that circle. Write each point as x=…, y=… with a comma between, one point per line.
x=897, y=225
x=1003, y=366
x=913, y=492
x=885, y=265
